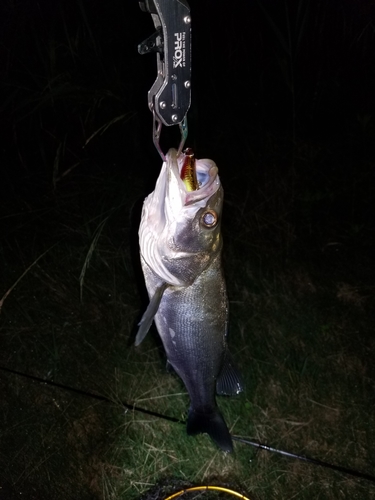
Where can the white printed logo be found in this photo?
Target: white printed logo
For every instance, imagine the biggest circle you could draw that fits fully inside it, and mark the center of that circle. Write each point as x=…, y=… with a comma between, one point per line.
x=179, y=50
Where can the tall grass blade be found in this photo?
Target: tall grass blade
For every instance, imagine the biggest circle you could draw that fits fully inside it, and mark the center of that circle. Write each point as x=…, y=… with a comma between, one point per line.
x=9, y=291
x=281, y=38
x=126, y=117
x=89, y=255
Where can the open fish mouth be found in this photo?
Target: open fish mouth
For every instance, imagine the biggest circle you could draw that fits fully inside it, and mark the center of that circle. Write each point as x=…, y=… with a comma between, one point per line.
x=181, y=184
x=174, y=217
x=198, y=179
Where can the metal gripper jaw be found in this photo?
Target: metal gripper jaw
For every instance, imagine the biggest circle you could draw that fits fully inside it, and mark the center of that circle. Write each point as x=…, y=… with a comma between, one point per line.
x=169, y=97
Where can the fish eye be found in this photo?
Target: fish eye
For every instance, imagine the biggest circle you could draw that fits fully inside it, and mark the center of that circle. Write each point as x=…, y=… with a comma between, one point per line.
x=209, y=218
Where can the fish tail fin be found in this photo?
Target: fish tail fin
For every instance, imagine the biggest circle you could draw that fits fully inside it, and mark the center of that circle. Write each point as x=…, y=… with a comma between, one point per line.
x=211, y=423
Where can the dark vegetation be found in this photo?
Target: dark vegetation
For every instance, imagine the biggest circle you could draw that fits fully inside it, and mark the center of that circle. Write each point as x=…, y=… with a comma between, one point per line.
x=283, y=101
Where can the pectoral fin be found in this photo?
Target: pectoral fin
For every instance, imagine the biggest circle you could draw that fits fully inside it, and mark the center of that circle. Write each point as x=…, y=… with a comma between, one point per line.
x=148, y=316
x=229, y=382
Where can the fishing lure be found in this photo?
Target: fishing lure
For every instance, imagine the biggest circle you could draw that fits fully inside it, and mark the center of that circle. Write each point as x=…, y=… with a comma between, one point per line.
x=188, y=171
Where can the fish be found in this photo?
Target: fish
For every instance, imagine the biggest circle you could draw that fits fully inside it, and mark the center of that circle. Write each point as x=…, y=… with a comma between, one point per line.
x=180, y=251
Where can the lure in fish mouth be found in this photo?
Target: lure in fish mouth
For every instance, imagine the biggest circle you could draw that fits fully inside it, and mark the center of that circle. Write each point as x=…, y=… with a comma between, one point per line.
x=180, y=246
x=188, y=171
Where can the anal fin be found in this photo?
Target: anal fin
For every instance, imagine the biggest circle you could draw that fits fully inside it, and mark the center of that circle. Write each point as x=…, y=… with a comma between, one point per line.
x=229, y=382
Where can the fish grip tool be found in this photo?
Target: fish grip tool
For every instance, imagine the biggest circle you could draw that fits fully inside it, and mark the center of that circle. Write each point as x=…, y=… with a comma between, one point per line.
x=170, y=96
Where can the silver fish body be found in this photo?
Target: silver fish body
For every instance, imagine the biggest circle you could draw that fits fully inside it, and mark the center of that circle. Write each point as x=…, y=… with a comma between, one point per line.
x=180, y=246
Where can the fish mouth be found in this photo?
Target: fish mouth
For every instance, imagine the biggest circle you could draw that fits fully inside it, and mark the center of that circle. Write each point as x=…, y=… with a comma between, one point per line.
x=172, y=228
x=203, y=179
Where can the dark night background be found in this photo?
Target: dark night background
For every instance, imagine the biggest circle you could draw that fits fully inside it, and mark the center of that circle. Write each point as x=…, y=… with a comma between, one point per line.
x=283, y=100
x=299, y=70
x=293, y=73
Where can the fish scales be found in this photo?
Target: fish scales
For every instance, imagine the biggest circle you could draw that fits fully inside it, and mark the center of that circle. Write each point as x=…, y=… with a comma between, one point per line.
x=195, y=350
x=180, y=246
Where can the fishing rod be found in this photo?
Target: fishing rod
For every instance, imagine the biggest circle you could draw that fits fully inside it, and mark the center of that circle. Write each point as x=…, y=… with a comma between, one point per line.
x=305, y=458
x=98, y=397
x=133, y=407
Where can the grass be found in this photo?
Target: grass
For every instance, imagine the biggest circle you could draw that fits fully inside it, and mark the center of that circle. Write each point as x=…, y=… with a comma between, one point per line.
x=298, y=252
x=302, y=340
